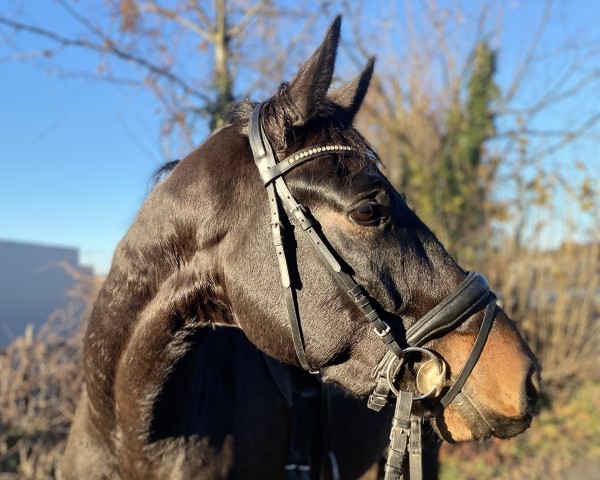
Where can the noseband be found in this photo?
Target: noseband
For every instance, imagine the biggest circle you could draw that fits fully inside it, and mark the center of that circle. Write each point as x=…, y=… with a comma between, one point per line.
x=471, y=296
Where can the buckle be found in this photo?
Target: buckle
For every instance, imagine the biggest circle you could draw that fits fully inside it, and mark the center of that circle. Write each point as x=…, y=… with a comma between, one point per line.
x=383, y=333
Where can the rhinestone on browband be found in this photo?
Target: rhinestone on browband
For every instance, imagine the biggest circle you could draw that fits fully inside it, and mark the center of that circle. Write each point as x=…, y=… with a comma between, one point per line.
x=312, y=151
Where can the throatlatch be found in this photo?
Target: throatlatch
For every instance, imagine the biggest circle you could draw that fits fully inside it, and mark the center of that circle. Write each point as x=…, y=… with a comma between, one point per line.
x=471, y=296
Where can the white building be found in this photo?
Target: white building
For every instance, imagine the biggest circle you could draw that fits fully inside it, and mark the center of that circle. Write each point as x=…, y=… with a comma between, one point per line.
x=33, y=284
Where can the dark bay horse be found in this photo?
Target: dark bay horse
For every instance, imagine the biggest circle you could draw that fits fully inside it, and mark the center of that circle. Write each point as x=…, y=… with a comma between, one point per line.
x=167, y=396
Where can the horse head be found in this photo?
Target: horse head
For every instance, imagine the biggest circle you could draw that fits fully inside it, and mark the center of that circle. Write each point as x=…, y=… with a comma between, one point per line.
x=218, y=204
x=214, y=248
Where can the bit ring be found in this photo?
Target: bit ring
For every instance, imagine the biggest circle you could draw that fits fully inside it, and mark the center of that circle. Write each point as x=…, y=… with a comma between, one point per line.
x=424, y=351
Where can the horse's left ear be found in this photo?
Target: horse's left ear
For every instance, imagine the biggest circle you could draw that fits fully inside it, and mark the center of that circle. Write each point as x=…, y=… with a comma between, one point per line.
x=306, y=92
x=351, y=95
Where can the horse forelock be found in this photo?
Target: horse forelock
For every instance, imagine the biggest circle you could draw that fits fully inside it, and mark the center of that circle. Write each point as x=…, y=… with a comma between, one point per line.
x=329, y=125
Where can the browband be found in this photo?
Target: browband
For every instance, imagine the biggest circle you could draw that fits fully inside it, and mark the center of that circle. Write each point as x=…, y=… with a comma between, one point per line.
x=298, y=159
x=265, y=160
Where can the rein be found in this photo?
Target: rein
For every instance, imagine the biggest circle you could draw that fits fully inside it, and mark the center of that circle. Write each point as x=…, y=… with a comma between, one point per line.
x=471, y=296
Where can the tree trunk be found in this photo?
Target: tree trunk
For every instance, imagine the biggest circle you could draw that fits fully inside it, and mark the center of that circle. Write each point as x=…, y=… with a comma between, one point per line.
x=223, y=80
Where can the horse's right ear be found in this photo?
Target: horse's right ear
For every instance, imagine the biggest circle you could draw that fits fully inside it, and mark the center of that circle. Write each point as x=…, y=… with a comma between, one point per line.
x=307, y=90
x=351, y=95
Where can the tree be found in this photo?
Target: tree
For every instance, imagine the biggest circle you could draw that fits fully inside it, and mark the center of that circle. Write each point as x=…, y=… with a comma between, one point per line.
x=461, y=198
x=474, y=155
x=451, y=189
x=195, y=57
x=477, y=152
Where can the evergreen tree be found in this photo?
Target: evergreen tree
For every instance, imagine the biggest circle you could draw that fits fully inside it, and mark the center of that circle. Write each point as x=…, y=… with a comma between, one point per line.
x=462, y=200
x=447, y=186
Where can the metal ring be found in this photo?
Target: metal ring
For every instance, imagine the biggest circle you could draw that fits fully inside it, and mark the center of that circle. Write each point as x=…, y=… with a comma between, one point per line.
x=430, y=354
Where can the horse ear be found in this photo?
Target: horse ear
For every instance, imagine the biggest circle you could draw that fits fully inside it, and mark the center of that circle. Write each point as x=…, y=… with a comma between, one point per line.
x=308, y=88
x=351, y=95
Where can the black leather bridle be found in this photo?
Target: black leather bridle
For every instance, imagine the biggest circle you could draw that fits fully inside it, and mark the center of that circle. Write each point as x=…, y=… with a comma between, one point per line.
x=471, y=296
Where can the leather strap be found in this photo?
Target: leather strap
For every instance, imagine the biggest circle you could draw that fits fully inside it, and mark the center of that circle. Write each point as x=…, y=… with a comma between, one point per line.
x=264, y=159
x=380, y=395
x=486, y=326
x=307, y=224
x=415, y=448
x=271, y=173
x=470, y=297
x=398, y=436
x=298, y=158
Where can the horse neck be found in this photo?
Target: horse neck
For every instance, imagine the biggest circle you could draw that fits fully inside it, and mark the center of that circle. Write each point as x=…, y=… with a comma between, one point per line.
x=161, y=289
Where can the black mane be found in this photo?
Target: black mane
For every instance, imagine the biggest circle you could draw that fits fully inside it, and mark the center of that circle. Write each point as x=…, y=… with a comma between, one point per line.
x=162, y=173
x=239, y=112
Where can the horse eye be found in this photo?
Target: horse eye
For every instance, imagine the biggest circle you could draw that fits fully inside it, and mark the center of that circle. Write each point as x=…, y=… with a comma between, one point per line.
x=365, y=213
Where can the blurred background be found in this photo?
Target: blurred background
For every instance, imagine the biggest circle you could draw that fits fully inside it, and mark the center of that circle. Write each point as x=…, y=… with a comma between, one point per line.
x=485, y=113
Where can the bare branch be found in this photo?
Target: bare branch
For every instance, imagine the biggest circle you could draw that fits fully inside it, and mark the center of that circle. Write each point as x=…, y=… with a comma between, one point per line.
x=202, y=14
x=531, y=51
x=248, y=16
x=173, y=15
x=130, y=82
x=82, y=20
x=284, y=53
x=107, y=47
x=557, y=94
x=568, y=138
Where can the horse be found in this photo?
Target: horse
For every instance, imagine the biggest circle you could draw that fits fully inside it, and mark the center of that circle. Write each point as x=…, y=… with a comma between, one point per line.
x=367, y=297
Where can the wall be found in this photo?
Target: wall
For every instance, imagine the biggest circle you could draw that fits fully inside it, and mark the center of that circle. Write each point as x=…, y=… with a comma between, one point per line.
x=32, y=285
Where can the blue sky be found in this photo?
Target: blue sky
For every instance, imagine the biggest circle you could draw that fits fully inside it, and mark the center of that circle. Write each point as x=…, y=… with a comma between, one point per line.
x=72, y=171
x=77, y=155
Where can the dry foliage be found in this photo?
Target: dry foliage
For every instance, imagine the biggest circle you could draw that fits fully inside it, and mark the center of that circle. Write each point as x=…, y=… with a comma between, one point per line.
x=416, y=113
x=194, y=58
x=40, y=382
x=562, y=443
x=39, y=386
x=555, y=298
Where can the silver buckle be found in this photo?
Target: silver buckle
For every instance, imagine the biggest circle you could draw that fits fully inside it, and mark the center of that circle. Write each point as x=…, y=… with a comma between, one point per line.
x=383, y=333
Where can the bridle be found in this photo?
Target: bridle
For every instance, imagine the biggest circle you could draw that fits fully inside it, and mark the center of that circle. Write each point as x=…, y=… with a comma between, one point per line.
x=471, y=296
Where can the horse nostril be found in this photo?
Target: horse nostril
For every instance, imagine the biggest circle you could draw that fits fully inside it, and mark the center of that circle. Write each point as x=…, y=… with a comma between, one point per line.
x=532, y=388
